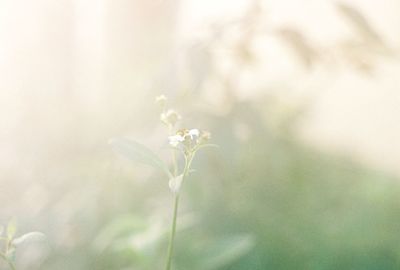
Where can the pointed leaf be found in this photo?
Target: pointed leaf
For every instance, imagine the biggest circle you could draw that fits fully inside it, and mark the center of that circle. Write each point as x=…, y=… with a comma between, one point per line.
x=11, y=229
x=139, y=153
x=32, y=236
x=359, y=21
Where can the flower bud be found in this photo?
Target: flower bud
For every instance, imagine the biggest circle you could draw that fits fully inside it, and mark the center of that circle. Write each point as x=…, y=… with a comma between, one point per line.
x=161, y=100
x=170, y=117
x=204, y=137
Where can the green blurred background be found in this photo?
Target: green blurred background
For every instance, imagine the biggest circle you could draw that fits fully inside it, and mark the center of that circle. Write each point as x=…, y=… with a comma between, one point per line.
x=300, y=96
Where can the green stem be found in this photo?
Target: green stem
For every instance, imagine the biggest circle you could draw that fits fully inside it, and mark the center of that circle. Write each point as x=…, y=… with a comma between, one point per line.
x=188, y=162
x=172, y=235
x=10, y=263
x=174, y=164
x=175, y=213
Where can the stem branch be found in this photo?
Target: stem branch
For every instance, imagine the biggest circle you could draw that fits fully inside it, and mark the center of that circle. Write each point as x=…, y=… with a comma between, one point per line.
x=10, y=263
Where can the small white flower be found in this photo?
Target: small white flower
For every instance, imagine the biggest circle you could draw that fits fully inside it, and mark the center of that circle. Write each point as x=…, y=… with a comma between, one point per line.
x=175, y=183
x=194, y=133
x=175, y=140
x=185, y=136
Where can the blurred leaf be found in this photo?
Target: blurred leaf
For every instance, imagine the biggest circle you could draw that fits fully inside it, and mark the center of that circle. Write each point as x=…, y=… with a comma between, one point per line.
x=11, y=229
x=299, y=44
x=225, y=251
x=28, y=237
x=139, y=153
x=119, y=227
x=358, y=56
x=132, y=241
x=359, y=21
x=143, y=242
x=1, y=230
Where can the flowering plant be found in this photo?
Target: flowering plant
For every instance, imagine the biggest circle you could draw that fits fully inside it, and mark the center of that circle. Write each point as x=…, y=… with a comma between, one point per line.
x=185, y=141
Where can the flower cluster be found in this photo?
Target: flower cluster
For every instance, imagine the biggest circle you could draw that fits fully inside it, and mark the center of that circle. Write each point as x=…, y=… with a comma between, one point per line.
x=189, y=138
x=186, y=140
x=182, y=136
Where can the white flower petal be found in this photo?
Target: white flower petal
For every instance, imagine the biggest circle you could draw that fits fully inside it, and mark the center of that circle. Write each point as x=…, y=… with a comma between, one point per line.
x=194, y=132
x=175, y=140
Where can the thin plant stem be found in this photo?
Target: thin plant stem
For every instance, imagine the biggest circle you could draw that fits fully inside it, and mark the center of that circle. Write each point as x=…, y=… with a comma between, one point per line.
x=172, y=235
x=188, y=162
x=174, y=162
x=10, y=263
x=175, y=213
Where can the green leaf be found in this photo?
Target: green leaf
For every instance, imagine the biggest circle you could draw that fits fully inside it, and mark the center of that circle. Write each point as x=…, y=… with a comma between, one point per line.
x=226, y=250
x=11, y=229
x=118, y=228
x=139, y=153
x=31, y=236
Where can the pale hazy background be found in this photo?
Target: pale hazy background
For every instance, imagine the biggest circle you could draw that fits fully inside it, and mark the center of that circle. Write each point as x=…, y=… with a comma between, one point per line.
x=62, y=58
x=75, y=73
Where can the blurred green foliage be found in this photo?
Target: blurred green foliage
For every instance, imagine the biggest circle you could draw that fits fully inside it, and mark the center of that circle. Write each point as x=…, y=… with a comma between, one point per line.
x=260, y=202
x=306, y=209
